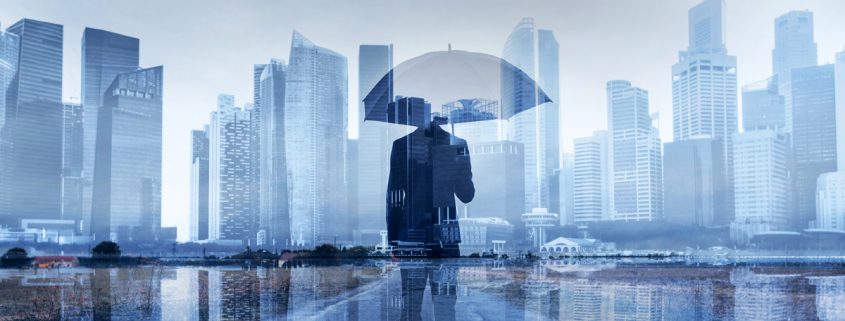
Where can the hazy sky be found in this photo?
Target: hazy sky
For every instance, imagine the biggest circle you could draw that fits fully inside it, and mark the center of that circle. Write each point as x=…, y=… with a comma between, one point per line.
x=209, y=47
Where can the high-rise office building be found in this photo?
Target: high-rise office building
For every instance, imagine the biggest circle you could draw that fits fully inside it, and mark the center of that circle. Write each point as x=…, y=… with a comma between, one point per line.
x=762, y=105
x=762, y=183
x=592, y=179
x=9, y=51
x=811, y=104
x=538, y=129
x=104, y=55
x=232, y=216
x=830, y=189
x=567, y=189
x=704, y=101
x=498, y=178
x=374, y=62
x=72, y=135
x=274, y=225
x=636, y=154
x=199, y=185
x=127, y=179
x=316, y=102
x=33, y=124
x=794, y=44
x=694, y=181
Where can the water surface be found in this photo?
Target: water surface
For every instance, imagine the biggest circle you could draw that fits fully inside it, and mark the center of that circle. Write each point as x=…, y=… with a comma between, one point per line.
x=428, y=290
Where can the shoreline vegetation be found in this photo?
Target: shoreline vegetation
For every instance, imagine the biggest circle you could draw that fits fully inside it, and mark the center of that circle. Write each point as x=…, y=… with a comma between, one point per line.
x=107, y=254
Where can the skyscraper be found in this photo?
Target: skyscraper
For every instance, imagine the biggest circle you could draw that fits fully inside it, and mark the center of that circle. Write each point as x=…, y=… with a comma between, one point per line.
x=316, y=101
x=104, y=55
x=830, y=189
x=567, y=190
x=9, y=51
x=498, y=177
x=72, y=135
x=33, y=124
x=811, y=105
x=126, y=204
x=762, y=105
x=232, y=217
x=274, y=225
x=538, y=129
x=694, y=179
x=592, y=179
x=374, y=62
x=762, y=183
x=636, y=154
x=704, y=101
x=794, y=44
x=199, y=185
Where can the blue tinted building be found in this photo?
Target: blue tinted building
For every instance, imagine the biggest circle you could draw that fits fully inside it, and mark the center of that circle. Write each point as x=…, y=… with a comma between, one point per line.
x=274, y=225
x=315, y=100
x=374, y=62
x=811, y=101
x=126, y=204
x=33, y=124
x=104, y=55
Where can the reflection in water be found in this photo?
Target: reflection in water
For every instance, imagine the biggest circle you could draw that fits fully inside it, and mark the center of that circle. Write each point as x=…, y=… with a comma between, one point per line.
x=426, y=290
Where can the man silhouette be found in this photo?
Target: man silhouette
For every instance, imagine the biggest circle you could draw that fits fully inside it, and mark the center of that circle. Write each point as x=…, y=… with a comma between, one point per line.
x=428, y=168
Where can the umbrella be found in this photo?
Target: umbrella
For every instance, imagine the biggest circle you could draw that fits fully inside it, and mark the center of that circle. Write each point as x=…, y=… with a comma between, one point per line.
x=444, y=76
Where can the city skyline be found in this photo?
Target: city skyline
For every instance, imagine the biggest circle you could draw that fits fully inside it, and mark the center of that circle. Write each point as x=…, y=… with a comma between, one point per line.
x=574, y=124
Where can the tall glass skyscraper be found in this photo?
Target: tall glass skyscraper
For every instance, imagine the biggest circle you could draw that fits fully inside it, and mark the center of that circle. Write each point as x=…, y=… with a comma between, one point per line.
x=704, y=101
x=794, y=44
x=762, y=183
x=811, y=99
x=635, y=154
x=592, y=179
x=374, y=62
x=694, y=181
x=762, y=106
x=126, y=204
x=9, y=50
x=104, y=55
x=33, y=124
x=72, y=134
x=316, y=102
x=538, y=129
x=274, y=221
x=199, y=185
x=232, y=217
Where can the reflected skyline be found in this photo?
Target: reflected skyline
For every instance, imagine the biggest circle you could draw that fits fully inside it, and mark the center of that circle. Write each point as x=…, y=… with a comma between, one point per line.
x=428, y=290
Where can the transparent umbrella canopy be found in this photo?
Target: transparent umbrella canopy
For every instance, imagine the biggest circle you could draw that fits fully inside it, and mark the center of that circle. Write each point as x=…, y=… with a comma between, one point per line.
x=444, y=76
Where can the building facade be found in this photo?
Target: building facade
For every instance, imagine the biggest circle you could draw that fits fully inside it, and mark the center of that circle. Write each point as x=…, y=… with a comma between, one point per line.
x=694, y=181
x=635, y=153
x=316, y=94
x=232, y=216
x=9, y=50
x=105, y=54
x=811, y=104
x=72, y=137
x=762, y=183
x=33, y=124
x=274, y=225
x=538, y=129
x=704, y=97
x=374, y=141
x=794, y=44
x=127, y=180
x=199, y=185
x=592, y=179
